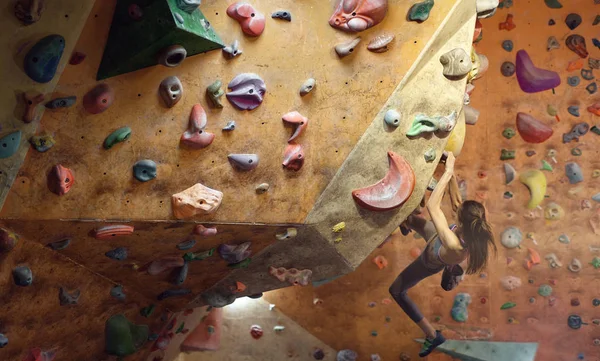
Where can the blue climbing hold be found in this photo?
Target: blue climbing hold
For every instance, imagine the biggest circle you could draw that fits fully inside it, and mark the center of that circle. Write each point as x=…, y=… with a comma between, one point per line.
x=117, y=292
x=596, y=302
x=185, y=245
x=573, y=172
x=3, y=340
x=575, y=322
x=173, y=293
x=596, y=42
x=573, y=110
x=459, y=310
x=118, y=254
x=507, y=45
x=9, y=144
x=596, y=197
x=22, y=276
x=573, y=80
x=42, y=60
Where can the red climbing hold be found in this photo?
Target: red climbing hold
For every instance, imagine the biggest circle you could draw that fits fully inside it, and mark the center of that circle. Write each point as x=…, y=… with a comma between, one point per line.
x=60, y=180
x=296, y=120
x=256, y=331
x=508, y=24
x=390, y=192
x=112, y=231
x=36, y=354
x=251, y=21
x=380, y=261
x=207, y=335
x=531, y=129
x=77, y=58
x=293, y=157
x=195, y=136
x=98, y=99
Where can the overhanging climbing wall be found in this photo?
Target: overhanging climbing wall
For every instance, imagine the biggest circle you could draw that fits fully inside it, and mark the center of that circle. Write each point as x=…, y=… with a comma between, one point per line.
x=345, y=148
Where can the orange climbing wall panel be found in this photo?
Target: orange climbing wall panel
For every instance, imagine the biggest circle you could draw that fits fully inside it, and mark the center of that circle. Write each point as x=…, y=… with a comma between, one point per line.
x=345, y=320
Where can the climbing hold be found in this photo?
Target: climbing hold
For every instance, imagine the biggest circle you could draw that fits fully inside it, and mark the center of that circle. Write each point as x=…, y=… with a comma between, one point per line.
x=575, y=65
x=98, y=99
x=575, y=322
x=456, y=63
x=419, y=12
x=573, y=110
x=135, y=12
x=117, y=292
x=576, y=43
x=288, y=234
x=552, y=110
x=123, y=338
x=173, y=293
x=390, y=192
x=199, y=256
x=346, y=355
x=8, y=240
x=512, y=237
x=247, y=91
x=430, y=155
x=552, y=43
x=256, y=331
x=587, y=74
x=147, y=311
x=308, y=85
x=379, y=44
x=345, y=49
x=545, y=290
x=9, y=144
x=532, y=79
x=563, y=238
x=380, y=261
x=3, y=340
x=507, y=68
x=232, y=50
x=592, y=88
x=64, y=102
x=575, y=265
x=218, y=298
x=596, y=173
x=553, y=212
x=214, y=94
x=144, y=170
x=60, y=245
x=296, y=120
x=535, y=180
x=189, y=6
x=205, y=231
x=596, y=197
x=594, y=63
x=594, y=109
x=510, y=282
x=508, y=24
x=195, y=136
x=293, y=157
x=42, y=60
x=185, y=245
x=596, y=302
x=32, y=100
x=172, y=56
x=508, y=133
x=510, y=173
x=486, y=8
x=546, y=166
x=282, y=14
x=243, y=162
x=508, y=305
x=251, y=21
x=67, y=298
x=551, y=22
x=29, y=11
x=392, y=118
x=22, y=276
x=118, y=254
x=230, y=126
x=163, y=264
x=262, y=188
x=553, y=4
x=60, y=180
x=507, y=45
x=506, y=154
x=531, y=129
x=471, y=116
x=595, y=262
x=459, y=310
x=36, y=354
x=596, y=42
x=340, y=227
x=171, y=91
x=553, y=261
x=573, y=20
x=181, y=275
x=574, y=173
x=578, y=130
x=77, y=58
x=112, y=231
x=355, y=16
x=233, y=254
x=573, y=80
x=118, y=136
x=508, y=195
x=424, y=124
x=294, y=276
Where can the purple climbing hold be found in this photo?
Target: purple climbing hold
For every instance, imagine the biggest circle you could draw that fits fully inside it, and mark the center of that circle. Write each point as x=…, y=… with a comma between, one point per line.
x=318, y=354
x=573, y=20
x=247, y=91
x=574, y=173
x=507, y=69
x=532, y=79
x=235, y=253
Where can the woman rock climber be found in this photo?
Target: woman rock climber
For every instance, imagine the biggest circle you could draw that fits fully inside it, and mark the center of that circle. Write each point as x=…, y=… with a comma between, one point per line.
x=446, y=248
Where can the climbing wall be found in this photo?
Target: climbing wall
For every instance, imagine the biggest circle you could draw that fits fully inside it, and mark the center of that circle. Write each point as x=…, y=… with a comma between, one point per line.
x=357, y=312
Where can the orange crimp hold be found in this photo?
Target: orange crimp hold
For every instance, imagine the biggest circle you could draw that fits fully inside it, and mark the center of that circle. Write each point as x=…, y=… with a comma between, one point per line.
x=508, y=24
x=239, y=287
x=575, y=65
x=594, y=109
x=380, y=261
x=532, y=259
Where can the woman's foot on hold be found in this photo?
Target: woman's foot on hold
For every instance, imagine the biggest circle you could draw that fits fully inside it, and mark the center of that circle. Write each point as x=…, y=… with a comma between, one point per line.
x=431, y=343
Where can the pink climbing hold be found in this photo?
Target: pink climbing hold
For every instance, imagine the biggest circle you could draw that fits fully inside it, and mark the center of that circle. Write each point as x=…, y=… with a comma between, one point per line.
x=204, y=231
x=207, y=335
x=256, y=332
x=251, y=21
x=98, y=99
x=296, y=120
x=60, y=180
x=358, y=15
x=163, y=264
x=532, y=79
x=293, y=157
x=531, y=129
x=195, y=137
x=36, y=354
x=292, y=275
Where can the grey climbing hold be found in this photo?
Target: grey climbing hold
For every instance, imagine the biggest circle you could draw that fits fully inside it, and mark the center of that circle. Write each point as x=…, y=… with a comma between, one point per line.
x=574, y=173
x=118, y=254
x=596, y=197
x=67, y=298
x=117, y=292
x=346, y=355
x=530, y=153
x=189, y=6
x=592, y=88
x=511, y=237
x=456, y=63
x=430, y=155
x=510, y=173
x=287, y=234
x=345, y=49
x=179, y=18
x=9, y=144
x=392, y=118
x=262, y=188
x=218, y=298
x=22, y=276
x=507, y=45
x=552, y=43
x=64, y=102
x=185, y=245
x=573, y=20
x=507, y=69
x=171, y=91
x=243, y=162
x=308, y=86
x=232, y=50
x=573, y=80
x=234, y=254
x=587, y=74
x=181, y=275
x=3, y=340
x=173, y=293
x=230, y=126
x=563, y=238
x=575, y=265
x=578, y=130
x=282, y=14
x=573, y=110
x=60, y=245
x=144, y=170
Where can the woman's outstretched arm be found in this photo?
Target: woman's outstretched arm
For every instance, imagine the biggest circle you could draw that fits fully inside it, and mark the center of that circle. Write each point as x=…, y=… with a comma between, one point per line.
x=448, y=238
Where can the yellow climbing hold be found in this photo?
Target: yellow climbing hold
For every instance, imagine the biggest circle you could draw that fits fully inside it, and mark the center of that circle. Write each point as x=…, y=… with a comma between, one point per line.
x=535, y=180
x=456, y=140
x=337, y=240
x=340, y=227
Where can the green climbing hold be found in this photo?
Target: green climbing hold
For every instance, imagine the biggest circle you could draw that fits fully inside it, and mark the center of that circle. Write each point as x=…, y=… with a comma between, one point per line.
x=509, y=133
x=244, y=264
x=123, y=338
x=118, y=136
x=508, y=195
x=545, y=290
x=9, y=144
x=596, y=262
x=546, y=166
x=507, y=154
x=180, y=328
x=508, y=305
x=576, y=152
x=553, y=4
x=373, y=333
x=211, y=330
x=595, y=129
x=147, y=311
x=419, y=12
x=190, y=256
x=388, y=319
x=437, y=318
